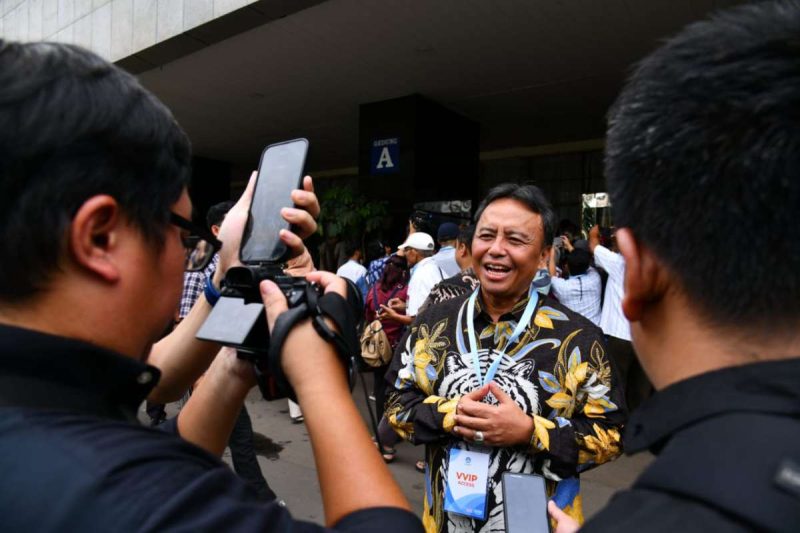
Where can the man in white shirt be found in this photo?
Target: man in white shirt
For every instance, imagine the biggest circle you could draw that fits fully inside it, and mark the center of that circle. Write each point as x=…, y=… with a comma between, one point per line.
x=352, y=269
x=580, y=291
x=425, y=273
x=445, y=258
x=616, y=326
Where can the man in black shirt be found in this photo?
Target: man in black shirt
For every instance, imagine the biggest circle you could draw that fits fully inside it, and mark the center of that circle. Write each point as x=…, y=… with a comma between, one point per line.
x=94, y=233
x=702, y=162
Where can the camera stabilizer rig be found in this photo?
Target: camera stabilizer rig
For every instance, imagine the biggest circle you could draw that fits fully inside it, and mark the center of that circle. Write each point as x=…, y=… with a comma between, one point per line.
x=239, y=320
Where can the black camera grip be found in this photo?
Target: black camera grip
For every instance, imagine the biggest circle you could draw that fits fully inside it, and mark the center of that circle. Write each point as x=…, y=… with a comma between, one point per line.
x=345, y=341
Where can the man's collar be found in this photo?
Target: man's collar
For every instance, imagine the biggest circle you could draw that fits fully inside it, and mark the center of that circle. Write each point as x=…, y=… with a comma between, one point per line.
x=515, y=313
x=45, y=371
x=540, y=283
x=768, y=387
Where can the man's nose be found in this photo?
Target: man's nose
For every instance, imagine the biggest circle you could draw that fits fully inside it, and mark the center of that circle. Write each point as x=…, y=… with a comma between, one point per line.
x=498, y=247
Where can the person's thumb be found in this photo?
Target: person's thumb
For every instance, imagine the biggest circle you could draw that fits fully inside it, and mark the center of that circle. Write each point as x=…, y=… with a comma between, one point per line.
x=564, y=522
x=274, y=301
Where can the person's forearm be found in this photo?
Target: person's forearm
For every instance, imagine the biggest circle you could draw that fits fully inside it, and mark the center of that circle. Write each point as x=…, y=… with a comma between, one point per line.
x=594, y=238
x=208, y=417
x=181, y=357
x=345, y=456
x=404, y=319
x=345, y=470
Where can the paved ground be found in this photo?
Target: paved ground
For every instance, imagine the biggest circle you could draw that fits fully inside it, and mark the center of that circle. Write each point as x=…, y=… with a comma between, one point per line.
x=286, y=460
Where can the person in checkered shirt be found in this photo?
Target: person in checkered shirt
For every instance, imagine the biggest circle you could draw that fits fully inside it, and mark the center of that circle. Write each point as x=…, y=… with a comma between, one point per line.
x=243, y=455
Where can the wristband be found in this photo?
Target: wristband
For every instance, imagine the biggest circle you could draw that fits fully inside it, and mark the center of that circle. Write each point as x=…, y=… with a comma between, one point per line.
x=211, y=292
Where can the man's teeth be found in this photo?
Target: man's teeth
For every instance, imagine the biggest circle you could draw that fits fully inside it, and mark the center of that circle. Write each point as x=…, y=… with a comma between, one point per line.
x=497, y=268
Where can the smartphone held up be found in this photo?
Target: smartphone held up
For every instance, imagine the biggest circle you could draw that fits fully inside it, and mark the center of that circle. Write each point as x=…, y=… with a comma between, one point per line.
x=238, y=318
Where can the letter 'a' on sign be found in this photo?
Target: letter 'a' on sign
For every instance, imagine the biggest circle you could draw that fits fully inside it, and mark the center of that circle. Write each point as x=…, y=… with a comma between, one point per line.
x=385, y=159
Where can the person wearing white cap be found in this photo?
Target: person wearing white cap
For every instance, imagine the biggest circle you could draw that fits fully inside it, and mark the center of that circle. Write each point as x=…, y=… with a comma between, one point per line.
x=425, y=273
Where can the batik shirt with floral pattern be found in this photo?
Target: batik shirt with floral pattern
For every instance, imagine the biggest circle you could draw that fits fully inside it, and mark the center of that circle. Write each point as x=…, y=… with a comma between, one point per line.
x=557, y=372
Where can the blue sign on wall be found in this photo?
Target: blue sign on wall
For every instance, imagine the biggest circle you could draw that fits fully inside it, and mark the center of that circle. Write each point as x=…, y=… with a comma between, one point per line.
x=385, y=156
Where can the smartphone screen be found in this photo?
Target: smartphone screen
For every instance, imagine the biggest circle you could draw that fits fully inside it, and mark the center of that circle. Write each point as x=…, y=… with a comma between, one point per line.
x=525, y=503
x=279, y=173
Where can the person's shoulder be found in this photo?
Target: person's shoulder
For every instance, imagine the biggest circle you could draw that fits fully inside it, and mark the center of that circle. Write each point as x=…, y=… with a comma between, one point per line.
x=605, y=257
x=102, y=471
x=559, y=283
x=656, y=511
x=98, y=445
x=693, y=467
x=429, y=265
x=443, y=309
x=593, y=275
x=575, y=320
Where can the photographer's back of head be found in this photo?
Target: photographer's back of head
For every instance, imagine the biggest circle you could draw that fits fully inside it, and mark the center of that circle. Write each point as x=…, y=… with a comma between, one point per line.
x=702, y=155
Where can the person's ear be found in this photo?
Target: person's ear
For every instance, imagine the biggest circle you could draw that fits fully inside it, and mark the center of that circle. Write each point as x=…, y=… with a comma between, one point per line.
x=544, y=257
x=215, y=230
x=94, y=234
x=645, y=276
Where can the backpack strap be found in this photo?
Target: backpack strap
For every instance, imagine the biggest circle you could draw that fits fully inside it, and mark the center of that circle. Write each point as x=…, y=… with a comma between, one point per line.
x=375, y=302
x=394, y=292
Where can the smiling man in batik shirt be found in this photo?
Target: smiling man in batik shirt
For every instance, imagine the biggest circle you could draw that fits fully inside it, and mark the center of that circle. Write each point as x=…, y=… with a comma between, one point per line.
x=550, y=404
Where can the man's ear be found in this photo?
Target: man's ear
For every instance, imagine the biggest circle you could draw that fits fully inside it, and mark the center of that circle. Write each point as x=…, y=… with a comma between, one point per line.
x=645, y=278
x=94, y=235
x=544, y=258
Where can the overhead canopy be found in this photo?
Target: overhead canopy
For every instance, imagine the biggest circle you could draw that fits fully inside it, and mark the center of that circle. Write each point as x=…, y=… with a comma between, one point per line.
x=529, y=71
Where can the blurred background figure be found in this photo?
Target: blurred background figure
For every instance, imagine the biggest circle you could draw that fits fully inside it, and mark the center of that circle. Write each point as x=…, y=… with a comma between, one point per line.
x=392, y=285
x=445, y=258
x=578, y=286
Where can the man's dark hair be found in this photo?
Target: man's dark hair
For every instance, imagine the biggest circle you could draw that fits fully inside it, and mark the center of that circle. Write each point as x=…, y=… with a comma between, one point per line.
x=566, y=226
x=465, y=236
x=530, y=195
x=423, y=221
x=578, y=261
x=703, y=158
x=216, y=213
x=73, y=126
x=374, y=250
x=350, y=248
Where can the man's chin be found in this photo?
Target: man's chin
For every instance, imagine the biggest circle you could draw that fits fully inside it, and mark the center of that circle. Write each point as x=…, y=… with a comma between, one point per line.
x=495, y=283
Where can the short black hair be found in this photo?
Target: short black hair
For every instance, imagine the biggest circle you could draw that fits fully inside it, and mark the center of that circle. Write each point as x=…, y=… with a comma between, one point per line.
x=423, y=222
x=465, y=236
x=374, y=250
x=216, y=213
x=530, y=195
x=703, y=158
x=578, y=261
x=350, y=248
x=72, y=126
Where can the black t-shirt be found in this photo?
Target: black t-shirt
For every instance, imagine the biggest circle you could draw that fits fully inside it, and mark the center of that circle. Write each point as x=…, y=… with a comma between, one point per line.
x=74, y=458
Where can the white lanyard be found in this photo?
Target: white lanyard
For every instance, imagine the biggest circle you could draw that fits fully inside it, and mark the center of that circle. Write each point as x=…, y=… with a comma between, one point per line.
x=533, y=298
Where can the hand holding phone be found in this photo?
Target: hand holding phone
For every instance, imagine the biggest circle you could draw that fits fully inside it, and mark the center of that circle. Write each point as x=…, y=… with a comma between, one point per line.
x=279, y=173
